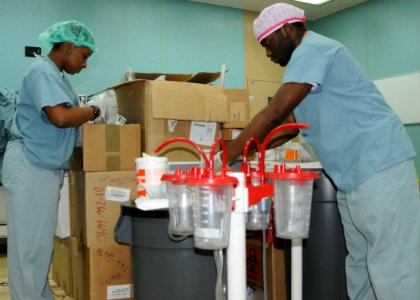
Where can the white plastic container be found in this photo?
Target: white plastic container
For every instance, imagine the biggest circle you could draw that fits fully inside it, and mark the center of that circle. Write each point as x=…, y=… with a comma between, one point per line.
x=149, y=173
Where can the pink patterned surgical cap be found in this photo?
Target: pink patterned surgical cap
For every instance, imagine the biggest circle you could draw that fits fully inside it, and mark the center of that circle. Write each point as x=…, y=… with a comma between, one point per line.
x=274, y=17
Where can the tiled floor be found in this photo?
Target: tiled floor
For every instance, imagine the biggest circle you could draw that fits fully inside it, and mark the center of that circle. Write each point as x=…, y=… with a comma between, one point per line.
x=4, y=289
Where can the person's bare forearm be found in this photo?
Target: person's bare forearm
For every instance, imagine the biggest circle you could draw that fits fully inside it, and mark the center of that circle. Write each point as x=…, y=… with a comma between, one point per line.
x=236, y=147
x=278, y=111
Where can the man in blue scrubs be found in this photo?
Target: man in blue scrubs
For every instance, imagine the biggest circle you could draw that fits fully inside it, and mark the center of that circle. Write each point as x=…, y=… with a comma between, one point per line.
x=43, y=139
x=361, y=144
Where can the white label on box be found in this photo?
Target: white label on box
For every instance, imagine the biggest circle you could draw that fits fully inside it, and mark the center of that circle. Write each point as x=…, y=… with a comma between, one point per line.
x=203, y=133
x=171, y=125
x=122, y=291
x=83, y=100
x=121, y=120
x=117, y=194
x=236, y=133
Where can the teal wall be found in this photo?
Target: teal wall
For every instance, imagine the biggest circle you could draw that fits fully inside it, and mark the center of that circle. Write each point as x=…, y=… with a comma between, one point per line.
x=384, y=36
x=178, y=36
x=172, y=36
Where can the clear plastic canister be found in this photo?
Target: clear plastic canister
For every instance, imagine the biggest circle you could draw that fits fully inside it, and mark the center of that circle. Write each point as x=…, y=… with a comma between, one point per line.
x=292, y=208
x=292, y=201
x=180, y=209
x=212, y=206
x=180, y=204
x=258, y=216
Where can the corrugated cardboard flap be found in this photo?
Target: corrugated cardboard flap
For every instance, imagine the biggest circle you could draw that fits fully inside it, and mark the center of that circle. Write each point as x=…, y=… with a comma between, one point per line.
x=200, y=77
x=204, y=77
x=188, y=101
x=168, y=77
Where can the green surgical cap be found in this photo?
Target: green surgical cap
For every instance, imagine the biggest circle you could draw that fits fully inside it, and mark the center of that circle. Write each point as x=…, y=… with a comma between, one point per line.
x=68, y=31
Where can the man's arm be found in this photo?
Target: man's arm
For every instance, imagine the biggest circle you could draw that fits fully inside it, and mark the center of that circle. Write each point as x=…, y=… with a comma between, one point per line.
x=275, y=113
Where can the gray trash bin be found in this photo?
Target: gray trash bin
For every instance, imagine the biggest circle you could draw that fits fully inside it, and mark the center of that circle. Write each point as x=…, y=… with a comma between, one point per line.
x=164, y=269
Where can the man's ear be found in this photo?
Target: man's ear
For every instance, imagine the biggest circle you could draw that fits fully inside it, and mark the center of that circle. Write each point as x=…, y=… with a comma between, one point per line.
x=287, y=29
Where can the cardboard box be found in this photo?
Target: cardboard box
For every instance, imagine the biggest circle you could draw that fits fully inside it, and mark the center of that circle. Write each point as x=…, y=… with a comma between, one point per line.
x=276, y=269
x=99, y=215
x=61, y=266
x=76, y=262
x=165, y=110
x=229, y=134
x=238, y=102
x=76, y=191
x=254, y=263
x=107, y=273
x=200, y=77
x=110, y=147
x=101, y=272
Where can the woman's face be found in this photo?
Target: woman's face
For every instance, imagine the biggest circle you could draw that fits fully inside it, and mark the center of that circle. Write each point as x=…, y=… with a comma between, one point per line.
x=76, y=59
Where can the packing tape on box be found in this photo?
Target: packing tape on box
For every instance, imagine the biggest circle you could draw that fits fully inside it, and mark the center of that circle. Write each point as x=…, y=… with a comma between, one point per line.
x=112, y=138
x=112, y=144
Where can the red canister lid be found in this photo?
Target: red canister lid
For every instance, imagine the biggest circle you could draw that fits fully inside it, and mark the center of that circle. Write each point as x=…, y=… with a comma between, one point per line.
x=180, y=176
x=282, y=173
x=210, y=179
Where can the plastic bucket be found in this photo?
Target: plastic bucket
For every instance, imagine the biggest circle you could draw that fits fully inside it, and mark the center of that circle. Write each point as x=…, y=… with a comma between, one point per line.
x=149, y=173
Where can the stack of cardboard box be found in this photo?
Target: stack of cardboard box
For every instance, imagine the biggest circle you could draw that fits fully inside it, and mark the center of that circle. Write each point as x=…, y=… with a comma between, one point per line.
x=90, y=264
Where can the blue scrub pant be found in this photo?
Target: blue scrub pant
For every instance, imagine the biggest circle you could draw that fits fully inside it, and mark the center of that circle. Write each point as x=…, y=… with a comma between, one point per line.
x=381, y=220
x=32, y=196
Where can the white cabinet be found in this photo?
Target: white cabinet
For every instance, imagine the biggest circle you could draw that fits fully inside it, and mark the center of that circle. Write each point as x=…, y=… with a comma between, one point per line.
x=403, y=94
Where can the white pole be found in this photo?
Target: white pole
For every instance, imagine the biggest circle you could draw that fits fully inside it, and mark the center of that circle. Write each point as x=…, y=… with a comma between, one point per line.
x=236, y=251
x=296, y=269
x=236, y=260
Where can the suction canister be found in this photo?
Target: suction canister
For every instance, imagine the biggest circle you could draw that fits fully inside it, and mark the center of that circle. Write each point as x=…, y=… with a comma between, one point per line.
x=292, y=201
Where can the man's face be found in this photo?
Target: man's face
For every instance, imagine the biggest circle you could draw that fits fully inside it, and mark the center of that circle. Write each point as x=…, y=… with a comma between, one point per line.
x=278, y=47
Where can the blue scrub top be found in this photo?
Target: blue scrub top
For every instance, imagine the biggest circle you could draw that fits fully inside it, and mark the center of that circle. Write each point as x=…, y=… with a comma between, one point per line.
x=44, y=144
x=353, y=130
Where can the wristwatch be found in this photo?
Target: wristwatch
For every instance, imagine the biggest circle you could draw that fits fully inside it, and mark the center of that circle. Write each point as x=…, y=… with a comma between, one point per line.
x=96, y=112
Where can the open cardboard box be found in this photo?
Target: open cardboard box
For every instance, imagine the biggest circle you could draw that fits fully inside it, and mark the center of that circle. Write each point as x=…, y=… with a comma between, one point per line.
x=166, y=109
x=200, y=77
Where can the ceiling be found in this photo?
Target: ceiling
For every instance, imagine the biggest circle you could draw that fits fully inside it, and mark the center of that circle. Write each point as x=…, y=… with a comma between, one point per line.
x=312, y=12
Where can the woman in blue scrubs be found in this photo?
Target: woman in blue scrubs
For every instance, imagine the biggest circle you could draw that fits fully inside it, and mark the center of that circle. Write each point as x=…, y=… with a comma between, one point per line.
x=361, y=144
x=43, y=139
